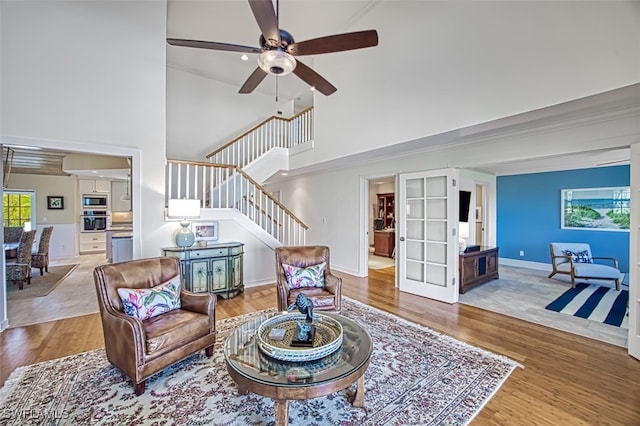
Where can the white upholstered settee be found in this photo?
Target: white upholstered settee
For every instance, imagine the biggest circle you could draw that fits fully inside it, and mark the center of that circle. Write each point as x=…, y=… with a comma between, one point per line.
x=576, y=260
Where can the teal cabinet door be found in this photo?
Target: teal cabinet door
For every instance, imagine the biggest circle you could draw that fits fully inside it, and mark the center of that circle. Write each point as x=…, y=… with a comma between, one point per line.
x=199, y=275
x=219, y=274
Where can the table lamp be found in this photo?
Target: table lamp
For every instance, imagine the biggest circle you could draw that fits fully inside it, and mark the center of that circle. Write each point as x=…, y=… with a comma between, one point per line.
x=184, y=209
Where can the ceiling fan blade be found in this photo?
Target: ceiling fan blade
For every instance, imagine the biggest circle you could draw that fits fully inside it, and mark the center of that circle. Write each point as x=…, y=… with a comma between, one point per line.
x=266, y=18
x=213, y=45
x=252, y=82
x=335, y=43
x=314, y=79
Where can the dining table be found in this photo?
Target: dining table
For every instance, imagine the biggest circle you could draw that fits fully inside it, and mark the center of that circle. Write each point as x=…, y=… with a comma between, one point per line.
x=11, y=250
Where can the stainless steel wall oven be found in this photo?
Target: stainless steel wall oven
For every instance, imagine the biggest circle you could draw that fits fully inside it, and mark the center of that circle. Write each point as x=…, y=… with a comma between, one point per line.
x=94, y=221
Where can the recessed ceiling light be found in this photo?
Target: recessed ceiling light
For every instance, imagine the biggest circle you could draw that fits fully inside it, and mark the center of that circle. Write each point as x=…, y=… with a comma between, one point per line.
x=284, y=174
x=244, y=57
x=312, y=88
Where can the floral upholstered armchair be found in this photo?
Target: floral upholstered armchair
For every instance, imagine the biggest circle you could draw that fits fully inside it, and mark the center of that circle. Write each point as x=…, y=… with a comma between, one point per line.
x=306, y=269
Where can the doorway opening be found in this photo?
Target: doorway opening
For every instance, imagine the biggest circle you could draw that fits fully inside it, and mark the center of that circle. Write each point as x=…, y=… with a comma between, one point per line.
x=381, y=219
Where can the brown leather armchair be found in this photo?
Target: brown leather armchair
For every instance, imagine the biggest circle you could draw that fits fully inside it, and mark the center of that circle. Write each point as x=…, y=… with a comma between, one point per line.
x=141, y=348
x=328, y=298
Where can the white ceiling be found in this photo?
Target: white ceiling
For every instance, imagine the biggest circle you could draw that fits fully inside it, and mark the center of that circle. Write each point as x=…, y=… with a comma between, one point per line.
x=233, y=22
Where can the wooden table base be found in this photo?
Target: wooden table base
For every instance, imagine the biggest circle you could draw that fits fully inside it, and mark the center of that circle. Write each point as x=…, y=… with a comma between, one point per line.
x=282, y=405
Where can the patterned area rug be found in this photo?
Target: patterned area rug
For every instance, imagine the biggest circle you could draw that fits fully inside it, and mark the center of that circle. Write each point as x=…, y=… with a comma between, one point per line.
x=40, y=285
x=591, y=301
x=416, y=376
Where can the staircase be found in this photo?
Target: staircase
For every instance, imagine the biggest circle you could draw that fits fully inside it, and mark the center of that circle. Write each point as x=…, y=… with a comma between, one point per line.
x=223, y=184
x=274, y=132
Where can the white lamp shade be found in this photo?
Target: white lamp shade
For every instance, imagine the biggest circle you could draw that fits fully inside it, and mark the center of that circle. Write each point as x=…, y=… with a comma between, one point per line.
x=183, y=209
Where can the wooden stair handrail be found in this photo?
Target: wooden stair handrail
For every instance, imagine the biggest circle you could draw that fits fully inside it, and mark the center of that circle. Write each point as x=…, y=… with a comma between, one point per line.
x=262, y=123
x=246, y=176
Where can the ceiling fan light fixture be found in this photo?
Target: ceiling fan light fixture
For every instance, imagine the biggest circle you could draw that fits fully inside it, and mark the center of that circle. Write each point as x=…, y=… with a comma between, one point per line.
x=276, y=62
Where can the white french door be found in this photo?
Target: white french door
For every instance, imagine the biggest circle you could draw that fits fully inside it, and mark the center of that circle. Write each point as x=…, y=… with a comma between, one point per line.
x=634, y=256
x=427, y=226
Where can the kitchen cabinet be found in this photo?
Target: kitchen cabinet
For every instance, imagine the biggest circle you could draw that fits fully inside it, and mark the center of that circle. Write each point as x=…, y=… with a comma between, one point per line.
x=116, y=231
x=477, y=267
x=121, y=247
x=216, y=268
x=93, y=242
x=87, y=186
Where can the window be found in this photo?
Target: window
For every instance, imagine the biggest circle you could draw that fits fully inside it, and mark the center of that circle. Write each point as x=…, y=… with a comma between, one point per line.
x=18, y=207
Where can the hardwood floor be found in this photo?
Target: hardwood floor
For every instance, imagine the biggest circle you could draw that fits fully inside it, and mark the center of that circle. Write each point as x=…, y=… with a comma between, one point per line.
x=566, y=379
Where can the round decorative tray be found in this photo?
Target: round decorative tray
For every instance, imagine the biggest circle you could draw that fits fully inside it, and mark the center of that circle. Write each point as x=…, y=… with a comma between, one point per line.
x=327, y=339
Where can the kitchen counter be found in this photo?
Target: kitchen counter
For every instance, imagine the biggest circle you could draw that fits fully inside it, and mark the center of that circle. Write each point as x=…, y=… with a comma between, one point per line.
x=117, y=231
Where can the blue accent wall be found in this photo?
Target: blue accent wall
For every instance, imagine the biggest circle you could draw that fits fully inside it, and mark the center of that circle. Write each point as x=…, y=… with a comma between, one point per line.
x=528, y=214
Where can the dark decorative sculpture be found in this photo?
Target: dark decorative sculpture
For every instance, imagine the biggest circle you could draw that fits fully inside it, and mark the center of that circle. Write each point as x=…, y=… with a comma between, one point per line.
x=306, y=330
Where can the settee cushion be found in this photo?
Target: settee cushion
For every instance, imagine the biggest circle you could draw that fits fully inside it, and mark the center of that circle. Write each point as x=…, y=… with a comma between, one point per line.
x=145, y=303
x=311, y=276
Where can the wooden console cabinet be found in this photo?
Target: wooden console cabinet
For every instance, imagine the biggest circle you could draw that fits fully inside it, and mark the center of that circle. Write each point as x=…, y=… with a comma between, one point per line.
x=477, y=267
x=216, y=268
x=384, y=242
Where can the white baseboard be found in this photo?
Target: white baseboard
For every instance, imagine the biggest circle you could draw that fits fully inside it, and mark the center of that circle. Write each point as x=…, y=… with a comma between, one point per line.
x=525, y=264
x=259, y=283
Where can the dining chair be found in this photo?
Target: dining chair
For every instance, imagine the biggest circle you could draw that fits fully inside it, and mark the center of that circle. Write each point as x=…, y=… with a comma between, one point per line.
x=40, y=257
x=12, y=234
x=20, y=270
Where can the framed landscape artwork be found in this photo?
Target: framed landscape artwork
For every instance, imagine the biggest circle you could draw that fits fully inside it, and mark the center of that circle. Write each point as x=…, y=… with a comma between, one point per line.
x=596, y=209
x=205, y=231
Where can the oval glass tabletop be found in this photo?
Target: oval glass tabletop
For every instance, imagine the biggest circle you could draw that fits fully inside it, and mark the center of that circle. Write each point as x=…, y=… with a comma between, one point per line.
x=242, y=353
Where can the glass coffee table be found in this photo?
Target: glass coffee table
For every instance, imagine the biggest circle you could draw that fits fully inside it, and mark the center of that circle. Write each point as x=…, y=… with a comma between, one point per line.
x=283, y=381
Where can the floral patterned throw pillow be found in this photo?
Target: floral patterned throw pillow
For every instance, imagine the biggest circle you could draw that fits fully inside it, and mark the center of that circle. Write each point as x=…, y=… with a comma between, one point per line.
x=579, y=257
x=145, y=303
x=311, y=276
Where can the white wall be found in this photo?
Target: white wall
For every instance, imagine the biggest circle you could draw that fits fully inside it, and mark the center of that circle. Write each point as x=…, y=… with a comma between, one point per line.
x=455, y=64
x=334, y=196
x=203, y=114
x=90, y=76
x=64, y=240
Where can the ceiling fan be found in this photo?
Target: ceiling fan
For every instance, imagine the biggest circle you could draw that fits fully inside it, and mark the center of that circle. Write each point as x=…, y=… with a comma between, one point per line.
x=278, y=49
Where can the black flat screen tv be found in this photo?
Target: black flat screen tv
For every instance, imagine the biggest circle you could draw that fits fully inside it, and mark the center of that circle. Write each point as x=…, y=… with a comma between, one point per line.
x=465, y=200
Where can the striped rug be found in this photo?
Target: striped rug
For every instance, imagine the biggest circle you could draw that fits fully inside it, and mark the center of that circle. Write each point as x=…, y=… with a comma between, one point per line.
x=596, y=303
